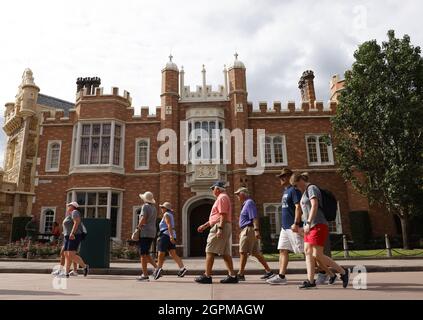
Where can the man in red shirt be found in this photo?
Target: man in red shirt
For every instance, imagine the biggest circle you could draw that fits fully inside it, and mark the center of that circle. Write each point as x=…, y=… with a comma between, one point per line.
x=218, y=241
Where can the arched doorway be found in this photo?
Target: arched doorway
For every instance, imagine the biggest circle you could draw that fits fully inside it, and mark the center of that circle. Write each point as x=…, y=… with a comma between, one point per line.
x=198, y=215
x=195, y=212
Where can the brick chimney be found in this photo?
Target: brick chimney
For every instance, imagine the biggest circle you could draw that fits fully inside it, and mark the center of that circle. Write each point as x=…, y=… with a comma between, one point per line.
x=306, y=85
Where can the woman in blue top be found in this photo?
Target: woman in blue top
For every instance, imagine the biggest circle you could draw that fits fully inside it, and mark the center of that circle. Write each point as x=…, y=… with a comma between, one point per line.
x=167, y=241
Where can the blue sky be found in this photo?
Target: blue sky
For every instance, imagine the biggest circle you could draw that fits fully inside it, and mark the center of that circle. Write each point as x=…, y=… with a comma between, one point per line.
x=127, y=42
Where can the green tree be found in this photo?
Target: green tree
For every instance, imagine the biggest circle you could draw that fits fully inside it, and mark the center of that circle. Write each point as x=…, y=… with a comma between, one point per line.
x=379, y=126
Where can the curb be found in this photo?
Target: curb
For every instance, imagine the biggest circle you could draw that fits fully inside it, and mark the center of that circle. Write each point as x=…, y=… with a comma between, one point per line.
x=136, y=272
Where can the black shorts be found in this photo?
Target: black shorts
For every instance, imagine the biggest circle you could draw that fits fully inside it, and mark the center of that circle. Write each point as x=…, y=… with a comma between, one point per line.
x=165, y=244
x=72, y=245
x=144, y=245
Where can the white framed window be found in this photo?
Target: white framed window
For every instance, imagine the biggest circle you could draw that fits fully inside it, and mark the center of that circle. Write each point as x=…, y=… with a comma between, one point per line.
x=275, y=151
x=53, y=155
x=142, y=154
x=319, y=151
x=205, y=142
x=48, y=215
x=336, y=226
x=273, y=211
x=100, y=204
x=98, y=144
x=136, y=211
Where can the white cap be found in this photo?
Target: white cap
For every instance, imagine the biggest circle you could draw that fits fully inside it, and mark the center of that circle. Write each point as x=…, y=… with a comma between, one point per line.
x=73, y=204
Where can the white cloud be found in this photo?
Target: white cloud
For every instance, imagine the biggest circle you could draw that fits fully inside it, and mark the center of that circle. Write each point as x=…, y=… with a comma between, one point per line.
x=126, y=43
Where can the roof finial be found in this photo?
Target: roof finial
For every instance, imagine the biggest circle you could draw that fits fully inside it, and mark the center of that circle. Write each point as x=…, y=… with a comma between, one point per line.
x=170, y=57
x=236, y=55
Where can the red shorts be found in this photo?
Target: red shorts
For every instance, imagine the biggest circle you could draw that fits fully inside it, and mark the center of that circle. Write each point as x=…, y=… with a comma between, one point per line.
x=317, y=235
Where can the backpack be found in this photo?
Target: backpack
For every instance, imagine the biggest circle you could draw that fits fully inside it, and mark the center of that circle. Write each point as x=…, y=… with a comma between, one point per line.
x=329, y=204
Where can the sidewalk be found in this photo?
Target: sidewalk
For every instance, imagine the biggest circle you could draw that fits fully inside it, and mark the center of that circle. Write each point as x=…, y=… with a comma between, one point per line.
x=196, y=266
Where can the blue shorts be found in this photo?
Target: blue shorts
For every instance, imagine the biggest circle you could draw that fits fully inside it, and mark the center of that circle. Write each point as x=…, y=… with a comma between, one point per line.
x=165, y=244
x=72, y=245
x=144, y=246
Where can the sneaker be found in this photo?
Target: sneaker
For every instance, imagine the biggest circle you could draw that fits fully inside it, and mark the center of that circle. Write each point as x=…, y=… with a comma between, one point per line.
x=143, y=278
x=182, y=272
x=308, y=285
x=240, y=277
x=229, y=279
x=62, y=275
x=203, y=279
x=332, y=279
x=86, y=270
x=73, y=273
x=277, y=280
x=322, y=278
x=56, y=272
x=345, y=278
x=267, y=275
x=158, y=273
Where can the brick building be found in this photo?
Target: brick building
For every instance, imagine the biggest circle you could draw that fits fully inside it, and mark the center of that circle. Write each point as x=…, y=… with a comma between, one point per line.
x=97, y=152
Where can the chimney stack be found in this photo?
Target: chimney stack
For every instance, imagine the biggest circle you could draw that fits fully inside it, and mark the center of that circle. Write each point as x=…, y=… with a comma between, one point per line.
x=89, y=83
x=306, y=85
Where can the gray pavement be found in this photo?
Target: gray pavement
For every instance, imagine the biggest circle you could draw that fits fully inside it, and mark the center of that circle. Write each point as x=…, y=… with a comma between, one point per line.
x=196, y=266
x=404, y=285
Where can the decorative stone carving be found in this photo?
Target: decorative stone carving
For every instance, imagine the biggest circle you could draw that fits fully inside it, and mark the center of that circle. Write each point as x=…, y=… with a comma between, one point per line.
x=206, y=172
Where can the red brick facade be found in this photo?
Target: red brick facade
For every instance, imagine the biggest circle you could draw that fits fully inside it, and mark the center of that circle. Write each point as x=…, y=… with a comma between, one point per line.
x=169, y=182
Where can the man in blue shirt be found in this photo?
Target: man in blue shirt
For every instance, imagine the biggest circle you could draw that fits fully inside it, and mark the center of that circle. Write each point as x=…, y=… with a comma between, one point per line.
x=250, y=234
x=290, y=239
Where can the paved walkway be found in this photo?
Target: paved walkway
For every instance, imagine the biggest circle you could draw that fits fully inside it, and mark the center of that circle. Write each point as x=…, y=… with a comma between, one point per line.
x=387, y=286
x=196, y=266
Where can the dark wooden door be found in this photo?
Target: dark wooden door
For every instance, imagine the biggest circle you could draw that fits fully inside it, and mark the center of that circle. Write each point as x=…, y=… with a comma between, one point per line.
x=198, y=216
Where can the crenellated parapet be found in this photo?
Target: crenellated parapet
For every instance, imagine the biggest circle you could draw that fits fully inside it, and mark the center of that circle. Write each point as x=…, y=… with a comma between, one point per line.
x=58, y=117
x=98, y=93
x=146, y=115
x=317, y=108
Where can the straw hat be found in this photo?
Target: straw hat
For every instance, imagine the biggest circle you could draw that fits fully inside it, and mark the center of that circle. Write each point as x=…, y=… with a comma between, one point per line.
x=166, y=205
x=147, y=197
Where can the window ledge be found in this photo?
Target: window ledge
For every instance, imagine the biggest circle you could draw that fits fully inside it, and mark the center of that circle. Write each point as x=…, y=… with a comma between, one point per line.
x=96, y=169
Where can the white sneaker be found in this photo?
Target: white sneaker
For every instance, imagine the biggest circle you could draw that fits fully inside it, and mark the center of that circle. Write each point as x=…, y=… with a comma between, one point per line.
x=56, y=272
x=276, y=280
x=322, y=278
x=62, y=275
x=73, y=273
x=143, y=278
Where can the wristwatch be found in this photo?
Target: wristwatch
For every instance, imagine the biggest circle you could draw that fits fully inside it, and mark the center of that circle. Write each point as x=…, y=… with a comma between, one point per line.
x=256, y=229
x=220, y=228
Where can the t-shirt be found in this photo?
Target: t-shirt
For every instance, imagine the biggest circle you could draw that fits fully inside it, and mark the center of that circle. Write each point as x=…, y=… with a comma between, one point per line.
x=149, y=229
x=163, y=225
x=248, y=213
x=290, y=198
x=68, y=223
x=313, y=192
x=221, y=205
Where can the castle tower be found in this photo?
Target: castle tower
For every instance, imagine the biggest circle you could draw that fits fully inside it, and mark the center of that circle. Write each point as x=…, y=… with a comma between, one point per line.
x=22, y=129
x=239, y=120
x=169, y=179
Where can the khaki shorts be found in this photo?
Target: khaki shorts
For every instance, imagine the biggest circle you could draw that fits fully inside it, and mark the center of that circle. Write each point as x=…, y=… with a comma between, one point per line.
x=248, y=242
x=220, y=246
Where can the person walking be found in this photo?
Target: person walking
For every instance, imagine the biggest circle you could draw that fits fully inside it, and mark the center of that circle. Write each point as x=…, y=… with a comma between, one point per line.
x=316, y=232
x=167, y=241
x=250, y=234
x=73, y=230
x=289, y=239
x=147, y=228
x=218, y=240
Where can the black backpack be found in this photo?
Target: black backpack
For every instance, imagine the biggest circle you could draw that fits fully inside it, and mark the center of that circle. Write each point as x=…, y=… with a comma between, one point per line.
x=329, y=205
